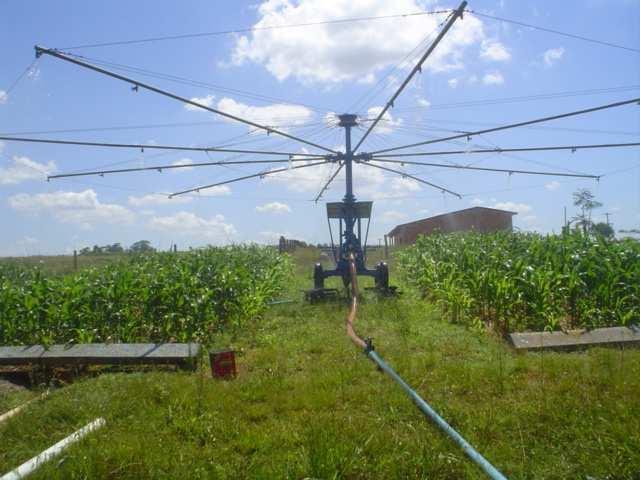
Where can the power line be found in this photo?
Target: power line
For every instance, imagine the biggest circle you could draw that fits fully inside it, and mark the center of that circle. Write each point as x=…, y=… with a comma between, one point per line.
x=557, y=32
x=251, y=29
x=514, y=125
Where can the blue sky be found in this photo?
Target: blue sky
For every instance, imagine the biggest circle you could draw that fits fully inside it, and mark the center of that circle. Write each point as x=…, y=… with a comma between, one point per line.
x=297, y=79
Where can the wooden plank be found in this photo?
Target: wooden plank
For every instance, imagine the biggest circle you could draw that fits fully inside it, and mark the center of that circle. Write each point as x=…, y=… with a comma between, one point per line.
x=100, y=354
x=575, y=339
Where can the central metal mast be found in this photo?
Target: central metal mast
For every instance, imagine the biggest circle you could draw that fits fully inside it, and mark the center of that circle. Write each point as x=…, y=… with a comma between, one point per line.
x=351, y=241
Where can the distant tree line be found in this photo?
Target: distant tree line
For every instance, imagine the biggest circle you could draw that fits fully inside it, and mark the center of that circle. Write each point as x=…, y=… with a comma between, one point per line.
x=140, y=246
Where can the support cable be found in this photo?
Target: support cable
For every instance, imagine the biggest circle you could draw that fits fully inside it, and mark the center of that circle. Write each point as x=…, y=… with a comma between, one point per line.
x=557, y=32
x=416, y=68
x=403, y=174
x=513, y=125
x=136, y=85
x=261, y=175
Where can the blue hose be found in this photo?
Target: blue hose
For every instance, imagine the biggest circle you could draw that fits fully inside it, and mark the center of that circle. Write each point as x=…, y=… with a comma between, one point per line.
x=473, y=454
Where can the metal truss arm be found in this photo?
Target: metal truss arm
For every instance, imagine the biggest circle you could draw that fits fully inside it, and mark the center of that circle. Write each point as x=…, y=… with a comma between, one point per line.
x=512, y=125
x=137, y=84
x=487, y=169
x=152, y=147
x=418, y=67
x=403, y=174
x=573, y=148
x=246, y=177
x=160, y=168
x=326, y=185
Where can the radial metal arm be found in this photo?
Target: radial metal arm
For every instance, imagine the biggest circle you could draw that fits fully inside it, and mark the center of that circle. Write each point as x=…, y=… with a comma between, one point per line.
x=246, y=177
x=573, y=148
x=486, y=169
x=418, y=67
x=512, y=125
x=160, y=168
x=403, y=174
x=326, y=185
x=137, y=84
x=152, y=147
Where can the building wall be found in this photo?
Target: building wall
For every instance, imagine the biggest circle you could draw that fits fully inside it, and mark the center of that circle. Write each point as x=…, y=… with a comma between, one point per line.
x=479, y=220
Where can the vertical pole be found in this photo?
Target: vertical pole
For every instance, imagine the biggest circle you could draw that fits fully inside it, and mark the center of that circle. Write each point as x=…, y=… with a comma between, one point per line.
x=386, y=248
x=75, y=260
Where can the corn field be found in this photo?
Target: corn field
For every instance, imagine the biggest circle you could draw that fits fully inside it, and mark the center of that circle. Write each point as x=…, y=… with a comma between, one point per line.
x=145, y=298
x=526, y=281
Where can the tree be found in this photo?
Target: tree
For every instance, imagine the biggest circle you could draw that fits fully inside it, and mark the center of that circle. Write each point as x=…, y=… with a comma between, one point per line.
x=604, y=229
x=142, y=246
x=586, y=201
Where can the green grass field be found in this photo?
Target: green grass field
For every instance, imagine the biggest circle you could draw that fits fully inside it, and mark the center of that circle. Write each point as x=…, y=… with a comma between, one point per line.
x=308, y=404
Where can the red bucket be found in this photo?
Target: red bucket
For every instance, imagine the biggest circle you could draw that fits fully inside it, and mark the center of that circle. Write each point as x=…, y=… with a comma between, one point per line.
x=223, y=364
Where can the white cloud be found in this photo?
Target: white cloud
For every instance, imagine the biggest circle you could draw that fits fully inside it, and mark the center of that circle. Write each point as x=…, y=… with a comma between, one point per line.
x=453, y=82
x=553, y=185
x=387, y=122
x=552, y=55
x=188, y=224
x=29, y=240
x=529, y=219
x=404, y=185
x=157, y=199
x=81, y=208
x=3, y=97
x=338, y=53
x=494, y=51
x=206, y=101
x=423, y=102
x=513, y=207
x=472, y=80
x=476, y=202
x=393, y=216
x=493, y=78
x=23, y=169
x=182, y=161
x=270, y=115
x=274, y=207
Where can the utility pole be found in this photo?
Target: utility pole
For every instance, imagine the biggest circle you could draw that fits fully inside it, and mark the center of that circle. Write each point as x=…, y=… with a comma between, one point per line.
x=607, y=215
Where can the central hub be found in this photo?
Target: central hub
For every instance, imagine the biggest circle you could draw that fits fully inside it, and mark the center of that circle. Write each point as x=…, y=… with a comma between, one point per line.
x=347, y=120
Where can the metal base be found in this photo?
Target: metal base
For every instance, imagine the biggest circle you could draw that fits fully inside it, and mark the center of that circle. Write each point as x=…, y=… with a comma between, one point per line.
x=380, y=275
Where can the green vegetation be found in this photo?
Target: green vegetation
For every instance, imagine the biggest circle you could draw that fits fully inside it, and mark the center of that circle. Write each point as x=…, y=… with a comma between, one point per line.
x=525, y=281
x=308, y=404
x=154, y=297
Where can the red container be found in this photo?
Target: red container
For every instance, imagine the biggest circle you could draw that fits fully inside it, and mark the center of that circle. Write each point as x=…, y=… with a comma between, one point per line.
x=223, y=364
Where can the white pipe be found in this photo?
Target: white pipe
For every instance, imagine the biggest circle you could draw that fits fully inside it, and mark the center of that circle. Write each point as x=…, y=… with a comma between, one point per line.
x=6, y=416
x=51, y=452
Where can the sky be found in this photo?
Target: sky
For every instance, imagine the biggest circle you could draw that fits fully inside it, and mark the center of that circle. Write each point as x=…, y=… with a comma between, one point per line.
x=484, y=73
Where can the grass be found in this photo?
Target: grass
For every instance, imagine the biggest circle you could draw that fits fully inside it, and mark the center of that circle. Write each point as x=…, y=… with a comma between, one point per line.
x=307, y=403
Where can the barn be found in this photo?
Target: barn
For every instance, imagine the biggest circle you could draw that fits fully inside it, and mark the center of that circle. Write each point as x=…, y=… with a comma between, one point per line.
x=478, y=219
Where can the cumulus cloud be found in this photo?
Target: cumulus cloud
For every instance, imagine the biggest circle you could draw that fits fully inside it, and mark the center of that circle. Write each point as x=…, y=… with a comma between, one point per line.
x=423, y=102
x=157, y=199
x=553, y=55
x=495, y=51
x=182, y=161
x=393, y=216
x=274, y=207
x=336, y=53
x=493, y=78
x=553, y=185
x=270, y=115
x=214, y=229
x=3, y=97
x=404, y=185
x=22, y=169
x=513, y=207
x=80, y=208
x=453, y=82
x=207, y=101
x=387, y=122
